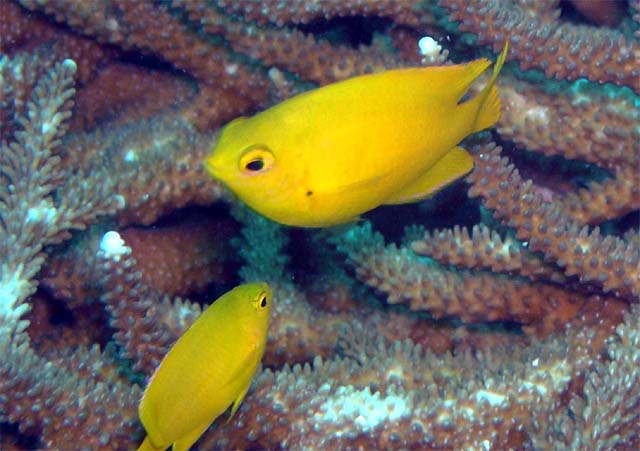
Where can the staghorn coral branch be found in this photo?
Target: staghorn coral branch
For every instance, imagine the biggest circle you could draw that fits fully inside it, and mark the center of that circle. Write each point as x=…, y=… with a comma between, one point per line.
x=472, y=297
x=484, y=249
x=605, y=414
x=604, y=201
x=39, y=200
x=29, y=173
x=151, y=29
x=24, y=30
x=305, y=11
x=561, y=50
x=62, y=405
x=291, y=50
x=605, y=260
x=212, y=63
x=154, y=164
x=417, y=397
x=107, y=98
x=146, y=326
x=579, y=122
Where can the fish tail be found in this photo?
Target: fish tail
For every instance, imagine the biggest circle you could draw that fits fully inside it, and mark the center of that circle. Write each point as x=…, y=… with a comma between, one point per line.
x=488, y=101
x=148, y=446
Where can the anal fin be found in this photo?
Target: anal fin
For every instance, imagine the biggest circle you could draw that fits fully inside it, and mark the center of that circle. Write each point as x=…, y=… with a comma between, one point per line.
x=454, y=165
x=147, y=445
x=237, y=401
x=185, y=442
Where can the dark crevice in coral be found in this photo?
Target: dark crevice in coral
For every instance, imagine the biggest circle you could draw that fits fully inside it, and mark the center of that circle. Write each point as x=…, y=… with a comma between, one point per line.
x=216, y=210
x=352, y=30
x=448, y=207
x=13, y=439
x=569, y=13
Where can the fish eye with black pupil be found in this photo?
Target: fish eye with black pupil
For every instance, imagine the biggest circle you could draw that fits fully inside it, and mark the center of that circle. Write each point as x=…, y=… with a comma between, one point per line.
x=255, y=165
x=263, y=302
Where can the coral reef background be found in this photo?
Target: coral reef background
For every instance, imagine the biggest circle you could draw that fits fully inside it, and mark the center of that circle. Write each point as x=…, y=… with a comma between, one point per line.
x=502, y=313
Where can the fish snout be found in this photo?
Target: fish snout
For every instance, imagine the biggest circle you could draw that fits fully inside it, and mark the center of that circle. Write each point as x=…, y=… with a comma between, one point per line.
x=211, y=167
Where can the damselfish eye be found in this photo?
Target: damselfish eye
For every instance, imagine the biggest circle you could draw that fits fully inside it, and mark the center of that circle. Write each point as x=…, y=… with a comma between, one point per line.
x=255, y=165
x=256, y=159
x=263, y=302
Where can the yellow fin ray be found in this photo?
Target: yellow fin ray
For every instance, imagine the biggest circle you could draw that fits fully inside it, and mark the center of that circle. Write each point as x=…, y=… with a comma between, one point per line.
x=451, y=167
x=246, y=372
x=186, y=441
x=451, y=82
x=237, y=402
x=357, y=185
x=147, y=445
x=486, y=105
x=459, y=83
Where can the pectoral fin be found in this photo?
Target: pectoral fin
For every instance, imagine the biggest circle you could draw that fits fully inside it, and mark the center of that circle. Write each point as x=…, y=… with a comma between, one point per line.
x=448, y=169
x=363, y=185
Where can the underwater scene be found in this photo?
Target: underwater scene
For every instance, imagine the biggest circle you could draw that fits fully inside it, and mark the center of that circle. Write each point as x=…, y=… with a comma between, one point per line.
x=320, y=224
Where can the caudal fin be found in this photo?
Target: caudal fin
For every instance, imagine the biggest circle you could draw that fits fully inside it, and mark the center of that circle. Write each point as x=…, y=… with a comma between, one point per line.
x=487, y=103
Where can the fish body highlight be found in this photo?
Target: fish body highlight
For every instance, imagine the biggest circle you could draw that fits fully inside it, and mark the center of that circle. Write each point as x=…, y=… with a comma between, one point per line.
x=326, y=156
x=207, y=370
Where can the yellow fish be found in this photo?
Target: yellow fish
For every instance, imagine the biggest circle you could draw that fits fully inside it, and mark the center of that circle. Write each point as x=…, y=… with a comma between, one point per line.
x=328, y=155
x=208, y=369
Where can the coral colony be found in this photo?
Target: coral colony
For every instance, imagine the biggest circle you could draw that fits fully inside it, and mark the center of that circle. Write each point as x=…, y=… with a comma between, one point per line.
x=503, y=313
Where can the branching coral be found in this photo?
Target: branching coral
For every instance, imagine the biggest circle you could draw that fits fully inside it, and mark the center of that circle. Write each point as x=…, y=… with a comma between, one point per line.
x=505, y=319
x=40, y=202
x=66, y=403
x=396, y=395
x=561, y=50
x=607, y=261
x=605, y=414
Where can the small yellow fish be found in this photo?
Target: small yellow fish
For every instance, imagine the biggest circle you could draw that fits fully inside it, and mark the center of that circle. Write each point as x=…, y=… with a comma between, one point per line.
x=326, y=156
x=208, y=369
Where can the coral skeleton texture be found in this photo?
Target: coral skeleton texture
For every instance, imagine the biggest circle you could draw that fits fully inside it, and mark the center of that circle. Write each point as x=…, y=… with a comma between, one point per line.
x=500, y=314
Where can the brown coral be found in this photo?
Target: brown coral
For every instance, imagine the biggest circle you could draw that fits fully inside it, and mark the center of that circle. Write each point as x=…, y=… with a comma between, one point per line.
x=155, y=81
